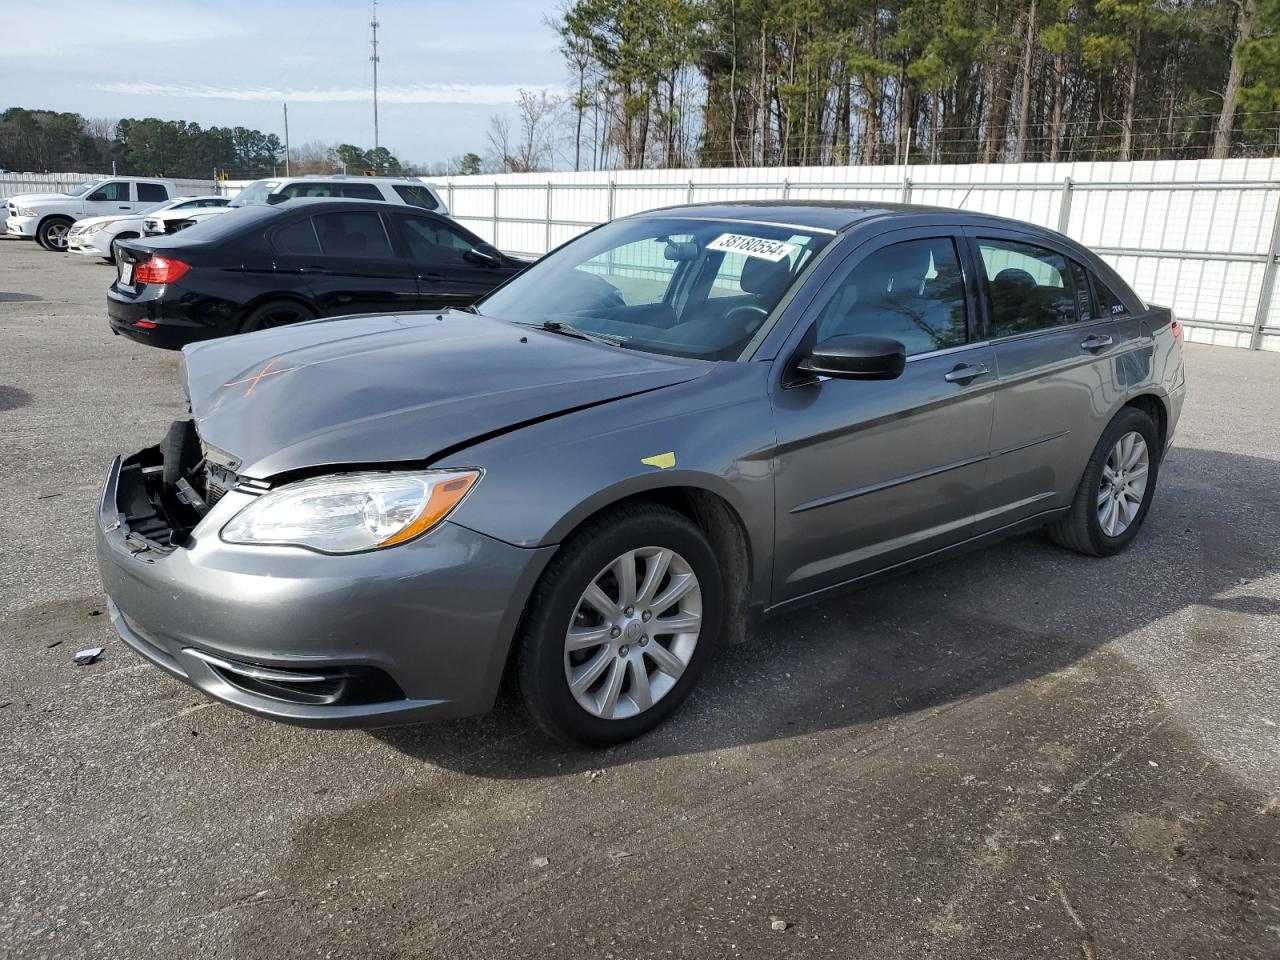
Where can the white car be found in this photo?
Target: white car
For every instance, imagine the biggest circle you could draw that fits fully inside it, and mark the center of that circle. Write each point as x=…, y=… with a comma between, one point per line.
x=172, y=219
x=47, y=217
x=403, y=190
x=96, y=236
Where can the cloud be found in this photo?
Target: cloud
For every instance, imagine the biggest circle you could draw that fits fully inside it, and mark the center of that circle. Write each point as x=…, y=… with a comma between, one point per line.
x=419, y=93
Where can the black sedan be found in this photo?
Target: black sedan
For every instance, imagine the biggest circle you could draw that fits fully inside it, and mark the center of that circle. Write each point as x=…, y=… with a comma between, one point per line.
x=266, y=266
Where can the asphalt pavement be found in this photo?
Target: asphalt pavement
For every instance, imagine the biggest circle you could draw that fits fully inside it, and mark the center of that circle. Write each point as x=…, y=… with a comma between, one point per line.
x=1018, y=753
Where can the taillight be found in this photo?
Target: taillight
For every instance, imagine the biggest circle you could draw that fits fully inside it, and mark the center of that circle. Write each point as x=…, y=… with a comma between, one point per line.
x=160, y=270
x=1176, y=325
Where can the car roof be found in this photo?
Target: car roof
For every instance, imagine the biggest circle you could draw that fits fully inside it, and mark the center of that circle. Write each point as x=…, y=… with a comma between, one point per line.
x=835, y=216
x=345, y=203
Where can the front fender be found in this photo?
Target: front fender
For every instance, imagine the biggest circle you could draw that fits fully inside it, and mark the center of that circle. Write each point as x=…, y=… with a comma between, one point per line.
x=714, y=434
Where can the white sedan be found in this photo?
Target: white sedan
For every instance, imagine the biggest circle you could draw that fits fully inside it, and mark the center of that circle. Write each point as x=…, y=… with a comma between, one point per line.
x=96, y=236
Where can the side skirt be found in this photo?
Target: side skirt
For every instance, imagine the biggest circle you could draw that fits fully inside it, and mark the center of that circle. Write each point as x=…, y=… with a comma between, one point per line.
x=945, y=553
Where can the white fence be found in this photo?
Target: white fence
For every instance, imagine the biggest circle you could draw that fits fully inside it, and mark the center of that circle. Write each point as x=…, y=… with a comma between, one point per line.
x=1200, y=236
x=15, y=183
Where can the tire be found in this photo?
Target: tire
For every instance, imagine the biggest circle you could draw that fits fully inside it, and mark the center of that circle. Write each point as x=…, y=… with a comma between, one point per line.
x=115, y=250
x=558, y=604
x=275, y=313
x=1082, y=528
x=52, y=233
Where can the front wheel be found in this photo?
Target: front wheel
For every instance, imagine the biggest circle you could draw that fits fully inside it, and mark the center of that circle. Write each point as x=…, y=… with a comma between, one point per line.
x=52, y=233
x=1116, y=490
x=619, y=626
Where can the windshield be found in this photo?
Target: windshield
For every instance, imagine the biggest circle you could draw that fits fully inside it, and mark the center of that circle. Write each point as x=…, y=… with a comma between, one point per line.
x=83, y=188
x=682, y=287
x=254, y=193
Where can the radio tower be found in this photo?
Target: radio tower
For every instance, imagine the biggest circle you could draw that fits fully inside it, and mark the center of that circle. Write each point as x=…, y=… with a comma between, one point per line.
x=373, y=23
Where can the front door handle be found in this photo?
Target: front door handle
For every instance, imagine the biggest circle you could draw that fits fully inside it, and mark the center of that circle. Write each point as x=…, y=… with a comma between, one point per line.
x=1096, y=342
x=967, y=372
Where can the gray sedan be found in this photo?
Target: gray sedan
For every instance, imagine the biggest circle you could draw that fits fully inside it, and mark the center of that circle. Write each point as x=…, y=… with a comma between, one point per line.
x=666, y=429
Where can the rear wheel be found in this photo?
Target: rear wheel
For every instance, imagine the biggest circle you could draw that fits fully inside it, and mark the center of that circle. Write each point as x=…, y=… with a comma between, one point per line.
x=52, y=233
x=620, y=626
x=1116, y=489
x=277, y=313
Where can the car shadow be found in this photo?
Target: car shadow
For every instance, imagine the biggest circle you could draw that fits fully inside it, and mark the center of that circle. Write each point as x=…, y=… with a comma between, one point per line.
x=961, y=629
x=6, y=297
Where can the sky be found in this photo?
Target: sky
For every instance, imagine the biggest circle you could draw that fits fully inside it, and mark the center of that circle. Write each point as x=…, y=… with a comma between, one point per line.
x=446, y=65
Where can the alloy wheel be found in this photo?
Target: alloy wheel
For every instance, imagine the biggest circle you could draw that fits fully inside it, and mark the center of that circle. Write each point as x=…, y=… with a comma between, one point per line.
x=632, y=633
x=56, y=235
x=1124, y=484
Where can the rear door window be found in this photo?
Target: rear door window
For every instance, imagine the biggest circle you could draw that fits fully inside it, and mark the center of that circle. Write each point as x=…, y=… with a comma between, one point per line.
x=293, y=190
x=151, y=192
x=415, y=196
x=360, y=191
x=1080, y=285
x=296, y=239
x=354, y=234
x=911, y=291
x=1027, y=287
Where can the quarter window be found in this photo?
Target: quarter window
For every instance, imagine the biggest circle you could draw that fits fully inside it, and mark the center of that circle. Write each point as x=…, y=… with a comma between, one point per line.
x=1026, y=287
x=1109, y=305
x=151, y=192
x=356, y=234
x=911, y=291
x=416, y=196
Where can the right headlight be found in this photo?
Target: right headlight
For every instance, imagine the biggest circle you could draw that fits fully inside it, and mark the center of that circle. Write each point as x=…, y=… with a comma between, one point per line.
x=26, y=211
x=351, y=512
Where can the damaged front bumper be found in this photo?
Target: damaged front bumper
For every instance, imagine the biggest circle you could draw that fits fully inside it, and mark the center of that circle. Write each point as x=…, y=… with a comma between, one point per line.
x=416, y=632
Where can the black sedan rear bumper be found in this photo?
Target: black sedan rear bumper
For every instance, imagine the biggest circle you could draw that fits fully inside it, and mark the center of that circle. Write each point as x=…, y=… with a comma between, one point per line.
x=155, y=319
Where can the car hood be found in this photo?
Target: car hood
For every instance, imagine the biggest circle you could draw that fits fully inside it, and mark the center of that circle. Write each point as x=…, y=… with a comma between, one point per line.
x=398, y=388
x=26, y=199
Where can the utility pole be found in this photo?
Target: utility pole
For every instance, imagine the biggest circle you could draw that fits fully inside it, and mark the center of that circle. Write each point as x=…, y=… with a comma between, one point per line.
x=373, y=23
x=286, y=139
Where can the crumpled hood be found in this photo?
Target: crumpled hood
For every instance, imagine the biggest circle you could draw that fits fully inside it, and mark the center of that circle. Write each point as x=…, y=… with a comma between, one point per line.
x=397, y=388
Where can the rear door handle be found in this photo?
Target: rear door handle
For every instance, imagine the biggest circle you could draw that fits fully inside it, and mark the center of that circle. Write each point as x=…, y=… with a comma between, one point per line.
x=431, y=276
x=966, y=372
x=1096, y=342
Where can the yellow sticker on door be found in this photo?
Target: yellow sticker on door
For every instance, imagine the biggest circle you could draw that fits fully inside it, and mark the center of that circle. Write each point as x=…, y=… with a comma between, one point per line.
x=663, y=461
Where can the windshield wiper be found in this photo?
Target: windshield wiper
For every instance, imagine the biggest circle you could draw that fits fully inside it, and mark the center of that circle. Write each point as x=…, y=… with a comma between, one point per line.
x=567, y=330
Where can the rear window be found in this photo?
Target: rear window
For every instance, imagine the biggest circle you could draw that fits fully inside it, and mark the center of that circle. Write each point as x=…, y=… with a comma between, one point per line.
x=151, y=192
x=416, y=196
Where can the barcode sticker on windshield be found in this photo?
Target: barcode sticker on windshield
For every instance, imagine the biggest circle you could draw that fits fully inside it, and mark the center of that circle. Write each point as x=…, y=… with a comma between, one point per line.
x=774, y=250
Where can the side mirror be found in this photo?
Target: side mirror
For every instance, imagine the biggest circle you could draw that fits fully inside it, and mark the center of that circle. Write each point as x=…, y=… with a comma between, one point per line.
x=856, y=357
x=98, y=195
x=484, y=254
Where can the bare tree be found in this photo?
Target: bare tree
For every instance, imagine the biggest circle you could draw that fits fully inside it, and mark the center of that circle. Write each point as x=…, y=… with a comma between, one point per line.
x=530, y=146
